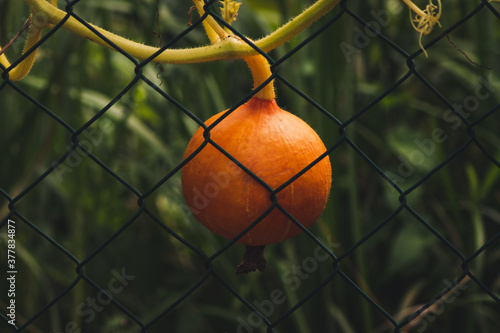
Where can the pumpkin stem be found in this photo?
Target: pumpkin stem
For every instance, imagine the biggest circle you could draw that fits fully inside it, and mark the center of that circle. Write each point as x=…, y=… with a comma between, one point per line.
x=253, y=259
x=261, y=71
x=259, y=66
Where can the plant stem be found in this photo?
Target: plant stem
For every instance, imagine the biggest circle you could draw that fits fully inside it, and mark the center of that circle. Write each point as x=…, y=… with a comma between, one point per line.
x=229, y=48
x=261, y=71
x=258, y=64
x=23, y=68
x=212, y=28
x=16, y=36
x=226, y=49
x=296, y=25
x=414, y=8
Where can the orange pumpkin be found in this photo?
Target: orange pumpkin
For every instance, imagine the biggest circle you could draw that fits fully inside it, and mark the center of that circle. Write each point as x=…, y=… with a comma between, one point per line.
x=273, y=144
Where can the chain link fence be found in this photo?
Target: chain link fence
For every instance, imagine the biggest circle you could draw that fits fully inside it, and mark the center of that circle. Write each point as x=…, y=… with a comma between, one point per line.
x=151, y=268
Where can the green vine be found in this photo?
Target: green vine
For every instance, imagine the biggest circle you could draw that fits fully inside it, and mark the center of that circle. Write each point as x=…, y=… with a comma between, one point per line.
x=224, y=45
x=228, y=48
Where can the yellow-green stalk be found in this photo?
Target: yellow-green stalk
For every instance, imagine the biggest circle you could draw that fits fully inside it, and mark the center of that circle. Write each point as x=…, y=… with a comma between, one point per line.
x=229, y=48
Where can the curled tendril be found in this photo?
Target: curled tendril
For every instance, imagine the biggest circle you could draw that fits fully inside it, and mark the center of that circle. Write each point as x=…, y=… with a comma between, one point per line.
x=424, y=20
x=429, y=17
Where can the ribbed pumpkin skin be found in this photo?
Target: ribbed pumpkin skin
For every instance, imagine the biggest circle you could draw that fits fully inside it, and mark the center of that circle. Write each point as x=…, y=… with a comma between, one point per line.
x=273, y=144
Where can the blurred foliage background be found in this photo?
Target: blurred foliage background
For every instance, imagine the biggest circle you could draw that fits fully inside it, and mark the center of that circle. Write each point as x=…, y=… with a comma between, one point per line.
x=142, y=138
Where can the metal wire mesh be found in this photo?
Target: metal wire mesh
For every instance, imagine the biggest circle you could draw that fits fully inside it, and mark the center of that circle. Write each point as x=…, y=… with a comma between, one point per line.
x=337, y=261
